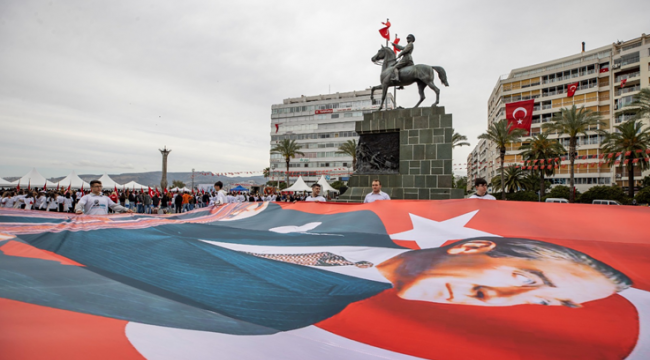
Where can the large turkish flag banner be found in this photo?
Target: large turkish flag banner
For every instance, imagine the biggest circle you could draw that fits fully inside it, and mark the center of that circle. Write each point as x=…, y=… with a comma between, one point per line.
x=520, y=114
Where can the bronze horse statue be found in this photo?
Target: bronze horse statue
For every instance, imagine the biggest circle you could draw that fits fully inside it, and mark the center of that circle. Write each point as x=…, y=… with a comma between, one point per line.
x=421, y=74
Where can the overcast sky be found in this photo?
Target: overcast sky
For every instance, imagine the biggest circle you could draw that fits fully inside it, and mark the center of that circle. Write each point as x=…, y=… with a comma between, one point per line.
x=100, y=86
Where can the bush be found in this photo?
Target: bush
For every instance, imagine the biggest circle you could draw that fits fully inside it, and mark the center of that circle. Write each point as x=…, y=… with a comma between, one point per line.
x=522, y=196
x=643, y=196
x=604, y=192
x=561, y=192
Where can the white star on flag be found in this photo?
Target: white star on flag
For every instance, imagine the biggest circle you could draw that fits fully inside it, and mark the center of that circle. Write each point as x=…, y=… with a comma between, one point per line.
x=520, y=121
x=429, y=233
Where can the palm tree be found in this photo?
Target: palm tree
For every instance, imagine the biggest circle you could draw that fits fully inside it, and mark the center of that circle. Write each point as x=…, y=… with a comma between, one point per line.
x=540, y=147
x=458, y=140
x=632, y=140
x=266, y=173
x=513, y=180
x=288, y=149
x=572, y=122
x=642, y=103
x=501, y=134
x=349, y=148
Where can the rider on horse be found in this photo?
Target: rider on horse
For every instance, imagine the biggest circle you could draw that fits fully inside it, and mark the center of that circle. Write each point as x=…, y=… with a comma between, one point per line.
x=404, y=58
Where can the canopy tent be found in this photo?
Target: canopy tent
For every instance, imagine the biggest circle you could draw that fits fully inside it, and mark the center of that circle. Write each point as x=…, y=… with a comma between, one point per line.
x=33, y=178
x=324, y=185
x=74, y=181
x=108, y=183
x=132, y=185
x=183, y=189
x=299, y=185
x=239, y=188
x=5, y=183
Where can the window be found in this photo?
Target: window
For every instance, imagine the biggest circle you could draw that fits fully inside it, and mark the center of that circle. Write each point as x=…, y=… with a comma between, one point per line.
x=335, y=116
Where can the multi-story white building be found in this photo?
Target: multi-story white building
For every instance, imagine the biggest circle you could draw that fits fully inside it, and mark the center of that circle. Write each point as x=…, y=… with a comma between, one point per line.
x=320, y=124
x=599, y=73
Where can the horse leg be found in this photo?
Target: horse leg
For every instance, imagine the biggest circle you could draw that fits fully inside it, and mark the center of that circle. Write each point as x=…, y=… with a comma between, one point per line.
x=384, y=90
x=434, y=88
x=372, y=91
x=421, y=87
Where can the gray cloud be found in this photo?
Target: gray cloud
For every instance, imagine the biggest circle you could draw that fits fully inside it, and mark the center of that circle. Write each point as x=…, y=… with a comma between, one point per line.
x=101, y=86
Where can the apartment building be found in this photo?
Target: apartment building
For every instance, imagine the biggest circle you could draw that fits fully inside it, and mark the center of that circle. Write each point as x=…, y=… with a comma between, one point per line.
x=608, y=78
x=319, y=124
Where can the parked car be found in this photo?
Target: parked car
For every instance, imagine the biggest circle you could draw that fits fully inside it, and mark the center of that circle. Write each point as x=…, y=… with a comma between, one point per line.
x=606, y=202
x=557, y=200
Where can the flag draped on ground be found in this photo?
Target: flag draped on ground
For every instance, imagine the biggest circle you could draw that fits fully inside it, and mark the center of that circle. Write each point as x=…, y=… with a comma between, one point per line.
x=456, y=279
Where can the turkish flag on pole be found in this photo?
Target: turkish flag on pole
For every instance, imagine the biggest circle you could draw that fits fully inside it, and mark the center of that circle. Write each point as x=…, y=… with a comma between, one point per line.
x=384, y=31
x=395, y=49
x=571, y=89
x=520, y=114
x=29, y=184
x=150, y=191
x=115, y=189
x=69, y=187
x=277, y=127
x=623, y=83
x=45, y=187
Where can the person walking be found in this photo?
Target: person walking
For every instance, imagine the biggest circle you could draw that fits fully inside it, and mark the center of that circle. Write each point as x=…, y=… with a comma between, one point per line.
x=178, y=202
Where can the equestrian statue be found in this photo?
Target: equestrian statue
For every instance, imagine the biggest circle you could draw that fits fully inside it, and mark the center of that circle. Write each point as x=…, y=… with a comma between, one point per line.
x=400, y=71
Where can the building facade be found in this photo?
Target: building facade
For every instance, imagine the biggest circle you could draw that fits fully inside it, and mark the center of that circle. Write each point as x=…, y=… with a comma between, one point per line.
x=319, y=124
x=608, y=78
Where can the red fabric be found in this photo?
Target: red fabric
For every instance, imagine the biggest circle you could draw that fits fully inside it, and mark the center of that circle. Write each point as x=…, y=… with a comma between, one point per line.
x=571, y=89
x=395, y=49
x=604, y=70
x=520, y=114
x=623, y=83
x=115, y=189
x=29, y=185
x=15, y=248
x=150, y=191
x=277, y=128
x=61, y=334
x=384, y=32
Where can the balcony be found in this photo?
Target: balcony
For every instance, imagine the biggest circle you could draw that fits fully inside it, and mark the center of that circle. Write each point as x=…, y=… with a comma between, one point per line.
x=622, y=118
x=627, y=76
x=629, y=89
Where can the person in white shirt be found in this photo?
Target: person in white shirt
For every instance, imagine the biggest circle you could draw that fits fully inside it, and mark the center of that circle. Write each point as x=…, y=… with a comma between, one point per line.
x=231, y=199
x=376, y=193
x=315, y=194
x=52, y=204
x=96, y=203
x=29, y=201
x=67, y=203
x=481, y=190
x=220, y=195
x=39, y=203
x=60, y=199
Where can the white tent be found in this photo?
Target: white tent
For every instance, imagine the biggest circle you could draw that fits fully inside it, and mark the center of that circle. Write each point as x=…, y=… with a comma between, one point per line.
x=33, y=178
x=5, y=183
x=132, y=185
x=74, y=181
x=324, y=185
x=108, y=183
x=184, y=189
x=299, y=185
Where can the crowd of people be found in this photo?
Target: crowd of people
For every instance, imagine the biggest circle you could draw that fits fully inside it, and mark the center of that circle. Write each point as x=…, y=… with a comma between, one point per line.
x=99, y=201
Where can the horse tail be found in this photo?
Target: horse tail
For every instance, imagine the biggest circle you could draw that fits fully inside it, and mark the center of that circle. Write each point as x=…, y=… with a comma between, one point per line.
x=442, y=74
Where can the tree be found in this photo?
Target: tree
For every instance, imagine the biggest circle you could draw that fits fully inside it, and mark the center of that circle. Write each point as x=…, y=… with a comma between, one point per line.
x=178, y=184
x=604, y=192
x=266, y=172
x=502, y=134
x=288, y=149
x=560, y=192
x=340, y=186
x=645, y=182
x=572, y=122
x=513, y=178
x=643, y=196
x=349, y=148
x=533, y=182
x=458, y=140
x=460, y=183
x=631, y=140
x=526, y=195
x=642, y=104
x=540, y=147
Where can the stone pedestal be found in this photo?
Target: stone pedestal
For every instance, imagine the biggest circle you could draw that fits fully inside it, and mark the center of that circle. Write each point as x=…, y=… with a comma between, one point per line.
x=425, y=155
